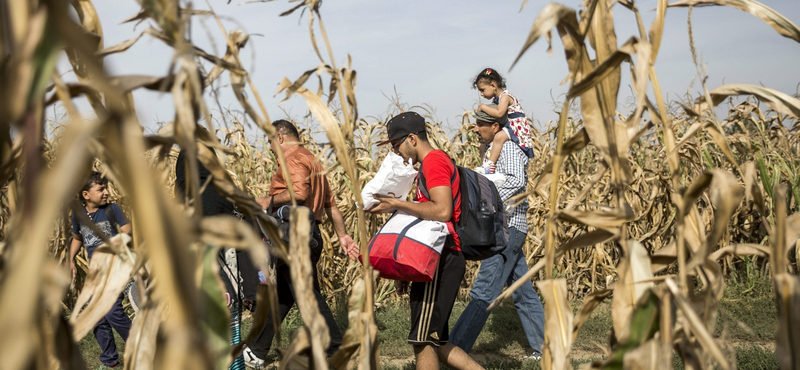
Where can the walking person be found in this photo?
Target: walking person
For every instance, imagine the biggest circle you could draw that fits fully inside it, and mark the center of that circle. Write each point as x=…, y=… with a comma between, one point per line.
x=236, y=268
x=510, y=265
x=106, y=216
x=311, y=189
x=431, y=302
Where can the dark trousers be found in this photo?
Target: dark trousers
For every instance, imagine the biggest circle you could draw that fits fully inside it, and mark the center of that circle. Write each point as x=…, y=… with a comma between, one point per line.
x=117, y=319
x=286, y=299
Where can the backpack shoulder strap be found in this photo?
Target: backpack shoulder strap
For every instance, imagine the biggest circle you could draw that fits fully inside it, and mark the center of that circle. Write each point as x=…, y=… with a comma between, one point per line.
x=423, y=186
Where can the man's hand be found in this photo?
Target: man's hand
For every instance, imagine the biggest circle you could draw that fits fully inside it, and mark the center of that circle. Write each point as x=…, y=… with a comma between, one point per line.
x=387, y=204
x=349, y=246
x=401, y=287
x=72, y=269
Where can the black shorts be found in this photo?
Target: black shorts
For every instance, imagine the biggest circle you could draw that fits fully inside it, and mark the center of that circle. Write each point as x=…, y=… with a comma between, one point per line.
x=432, y=302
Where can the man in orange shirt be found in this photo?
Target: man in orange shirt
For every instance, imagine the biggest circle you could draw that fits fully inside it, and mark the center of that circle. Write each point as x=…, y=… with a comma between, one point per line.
x=311, y=189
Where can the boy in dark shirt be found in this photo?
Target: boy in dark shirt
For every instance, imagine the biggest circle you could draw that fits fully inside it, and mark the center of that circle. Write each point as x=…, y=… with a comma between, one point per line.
x=107, y=216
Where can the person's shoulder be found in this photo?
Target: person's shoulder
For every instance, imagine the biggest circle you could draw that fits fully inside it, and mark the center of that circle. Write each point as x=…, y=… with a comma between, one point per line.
x=296, y=156
x=509, y=145
x=510, y=149
x=437, y=158
x=300, y=154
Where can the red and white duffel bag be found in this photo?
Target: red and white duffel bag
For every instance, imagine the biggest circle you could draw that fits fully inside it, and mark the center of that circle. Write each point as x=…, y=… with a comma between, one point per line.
x=408, y=248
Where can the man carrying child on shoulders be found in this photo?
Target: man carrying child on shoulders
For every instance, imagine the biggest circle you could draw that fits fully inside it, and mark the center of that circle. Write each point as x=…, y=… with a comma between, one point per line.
x=508, y=266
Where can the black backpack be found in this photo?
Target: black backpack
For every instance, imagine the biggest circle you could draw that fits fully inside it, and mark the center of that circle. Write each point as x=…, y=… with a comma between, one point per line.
x=482, y=229
x=281, y=216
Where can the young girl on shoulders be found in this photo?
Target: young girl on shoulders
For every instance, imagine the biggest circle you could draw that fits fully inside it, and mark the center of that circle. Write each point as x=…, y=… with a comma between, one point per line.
x=492, y=87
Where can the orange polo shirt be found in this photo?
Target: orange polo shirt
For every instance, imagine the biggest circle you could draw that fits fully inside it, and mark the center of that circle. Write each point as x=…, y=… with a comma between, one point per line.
x=308, y=180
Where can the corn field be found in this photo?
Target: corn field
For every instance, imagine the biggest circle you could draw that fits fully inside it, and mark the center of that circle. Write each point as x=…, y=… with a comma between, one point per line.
x=651, y=206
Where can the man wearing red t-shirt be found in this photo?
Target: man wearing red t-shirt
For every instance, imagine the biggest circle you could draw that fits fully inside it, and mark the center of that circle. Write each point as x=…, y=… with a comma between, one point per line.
x=431, y=302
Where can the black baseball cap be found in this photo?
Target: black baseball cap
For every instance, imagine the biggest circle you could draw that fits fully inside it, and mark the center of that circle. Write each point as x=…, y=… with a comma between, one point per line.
x=402, y=125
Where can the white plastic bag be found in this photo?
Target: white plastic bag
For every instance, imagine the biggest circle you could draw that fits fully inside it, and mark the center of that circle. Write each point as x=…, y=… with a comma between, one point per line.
x=393, y=179
x=497, y=178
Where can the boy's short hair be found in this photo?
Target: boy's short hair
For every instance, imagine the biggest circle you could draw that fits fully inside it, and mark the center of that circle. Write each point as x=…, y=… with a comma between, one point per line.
x=96, y=178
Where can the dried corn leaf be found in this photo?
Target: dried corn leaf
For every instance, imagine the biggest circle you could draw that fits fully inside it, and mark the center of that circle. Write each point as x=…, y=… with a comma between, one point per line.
x=360, y=321
x=778, y=22
x=695, y=325
x=635, y=277
x=574, y=144
x=109, y=272
x=586, y=240
x=292, y=87
x=740, y=250
x=558, y=324
x=351, y=340
x=649, y=355
x=606, y=220
x=21, y=278
x=694, y=192
x=606, y=68
x=124, y=84
x=216, y=317
x=67, y=351
x=726, y=194
x=776, y=100
x=590, y=302
x=657, y=30
x=792, y=229
x=140, y=349
x=118, y=48
x=664, y=257
x=639, y=350
x=551, y=16
x=295, y=356
x=787, y=291
x=752, y=190
x=349, y=85
x=17, y=90
x=302, y=282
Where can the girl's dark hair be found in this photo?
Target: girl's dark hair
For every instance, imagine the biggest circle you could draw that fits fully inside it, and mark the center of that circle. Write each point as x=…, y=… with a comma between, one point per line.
x=490, y=75
x=96, y=178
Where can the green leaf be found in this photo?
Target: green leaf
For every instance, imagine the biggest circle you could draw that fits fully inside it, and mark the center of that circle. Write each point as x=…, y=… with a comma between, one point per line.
x=217, y=317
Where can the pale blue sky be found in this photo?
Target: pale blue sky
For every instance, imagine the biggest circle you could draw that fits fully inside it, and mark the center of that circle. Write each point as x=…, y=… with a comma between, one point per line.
x=430, y=50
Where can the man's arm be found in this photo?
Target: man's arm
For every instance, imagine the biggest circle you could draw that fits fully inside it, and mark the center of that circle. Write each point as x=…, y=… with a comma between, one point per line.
x=122, y=219
x=439, y=208
x=277, y=200
x=500, y=111
x=348, y=245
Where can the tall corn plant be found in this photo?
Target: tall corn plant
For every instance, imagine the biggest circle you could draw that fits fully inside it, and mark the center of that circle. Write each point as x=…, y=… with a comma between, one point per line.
x=182, y=309
x=648, y=320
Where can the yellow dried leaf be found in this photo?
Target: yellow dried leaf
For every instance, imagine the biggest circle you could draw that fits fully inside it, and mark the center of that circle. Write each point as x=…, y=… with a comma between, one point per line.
x=778, y=22
x=558, y=324
x=634, y=281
